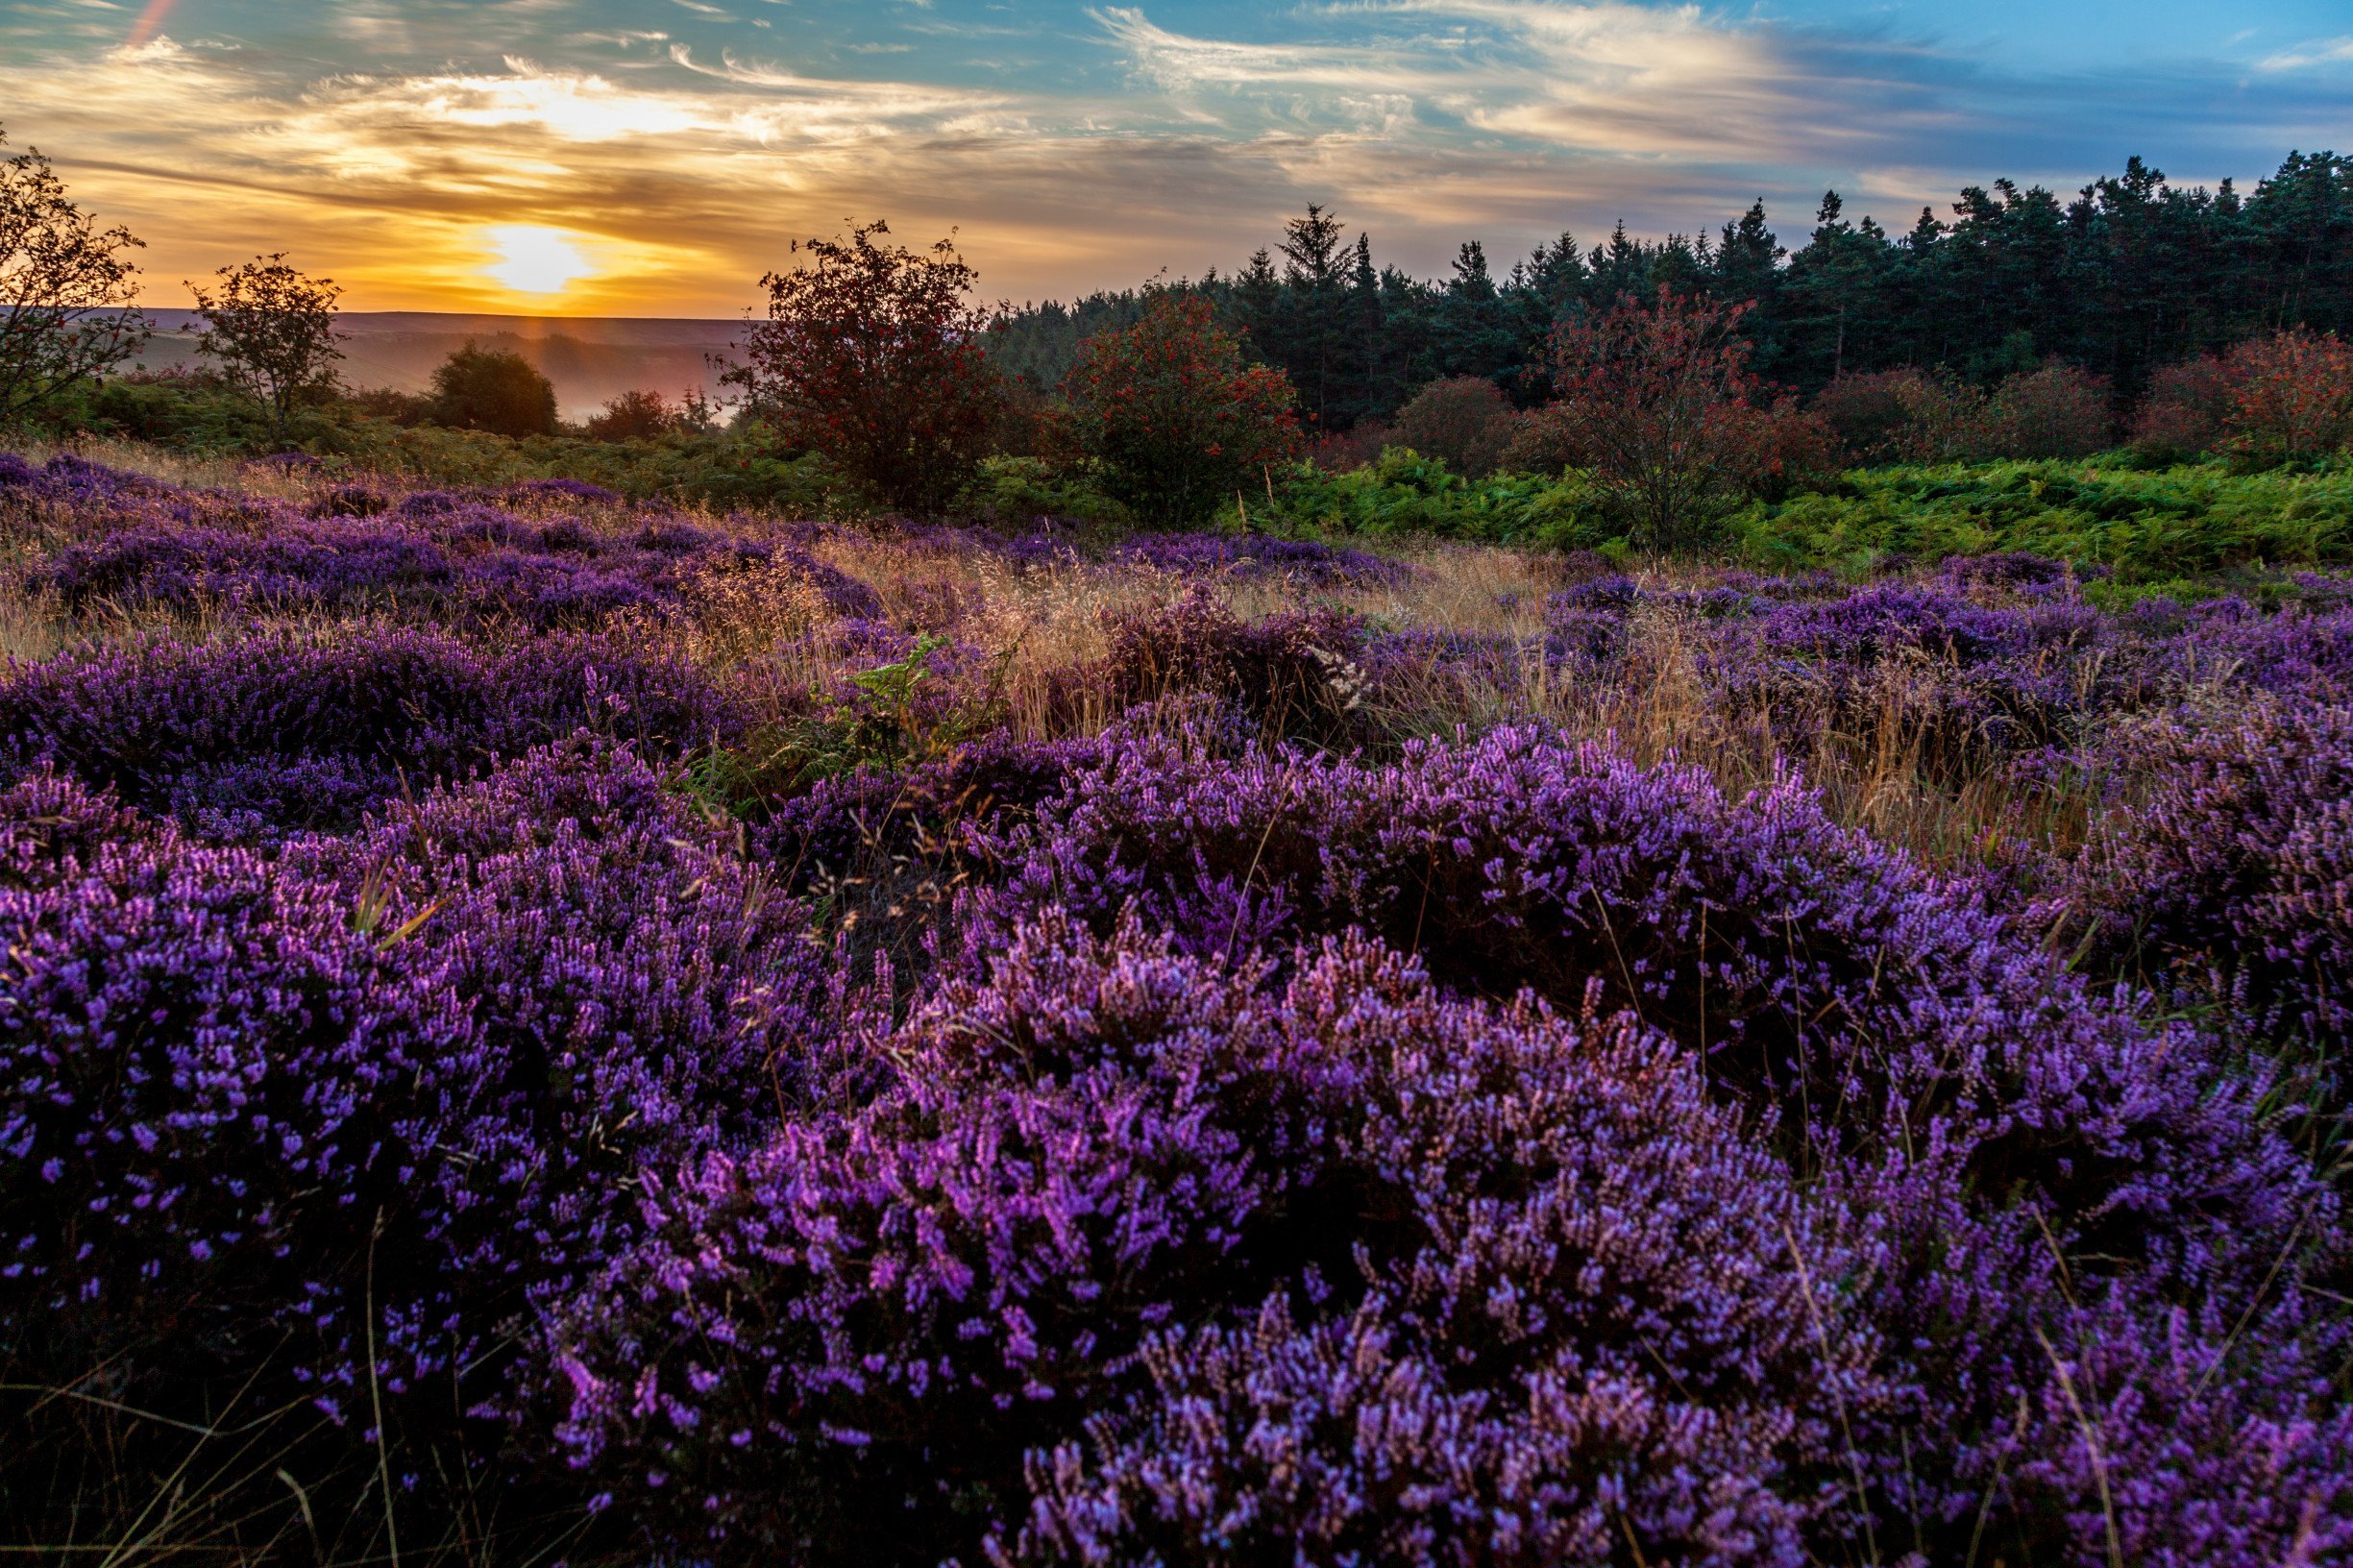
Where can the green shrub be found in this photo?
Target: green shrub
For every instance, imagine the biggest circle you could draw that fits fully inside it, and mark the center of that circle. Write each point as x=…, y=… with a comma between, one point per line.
x=1015, y=492
x=1405, y=493
x=2149, y=526
x=491, y=389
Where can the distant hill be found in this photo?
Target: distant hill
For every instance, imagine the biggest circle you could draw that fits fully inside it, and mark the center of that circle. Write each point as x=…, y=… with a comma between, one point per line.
x=589, y=358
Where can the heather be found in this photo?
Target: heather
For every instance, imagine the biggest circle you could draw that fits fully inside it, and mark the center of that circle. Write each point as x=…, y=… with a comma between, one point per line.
x=578, y=1026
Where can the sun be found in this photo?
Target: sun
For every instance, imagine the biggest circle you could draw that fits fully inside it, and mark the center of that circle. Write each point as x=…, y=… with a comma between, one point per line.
x=533, y=260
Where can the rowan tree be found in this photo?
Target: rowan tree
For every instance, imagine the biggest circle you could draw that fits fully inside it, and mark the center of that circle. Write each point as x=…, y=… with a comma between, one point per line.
x=871, y=355
x=273, y=330
x=1657, y=400
x=2292, y=398
x=1169, y=417
x=66, y=289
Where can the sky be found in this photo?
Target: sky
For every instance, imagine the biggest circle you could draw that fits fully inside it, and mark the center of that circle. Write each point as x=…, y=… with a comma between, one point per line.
x=655, y=157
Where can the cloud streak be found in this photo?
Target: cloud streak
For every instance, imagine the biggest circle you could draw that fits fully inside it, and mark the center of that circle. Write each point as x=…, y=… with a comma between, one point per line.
x=686, y=161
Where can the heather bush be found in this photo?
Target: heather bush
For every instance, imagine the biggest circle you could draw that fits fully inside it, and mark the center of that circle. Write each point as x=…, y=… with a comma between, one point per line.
x=1108, y=1149
x=422, y=1068
x=197, y=1056
x=1959, y=680
x=1815, y=972
x=1245, y=556
x=276, y=732
x=521, y=552
x=51, y=827
x=2176, y=1436
x=2226, y=867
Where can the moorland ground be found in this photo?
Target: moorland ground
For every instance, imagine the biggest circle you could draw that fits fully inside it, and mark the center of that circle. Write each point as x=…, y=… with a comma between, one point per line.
x=549, y=1024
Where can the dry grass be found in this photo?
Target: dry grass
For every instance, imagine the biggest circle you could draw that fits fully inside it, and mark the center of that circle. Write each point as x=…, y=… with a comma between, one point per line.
x=1043, y=633
x=173, y=466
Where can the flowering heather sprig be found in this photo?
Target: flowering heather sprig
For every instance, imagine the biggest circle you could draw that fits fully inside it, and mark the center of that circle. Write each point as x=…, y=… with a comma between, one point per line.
x=2181, y=1437
x=276, y=731
x=51, y=828
x=1345, y=1441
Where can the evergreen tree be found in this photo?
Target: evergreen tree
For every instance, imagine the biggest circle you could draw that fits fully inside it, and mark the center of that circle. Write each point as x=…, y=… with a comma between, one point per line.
x=2128, y=276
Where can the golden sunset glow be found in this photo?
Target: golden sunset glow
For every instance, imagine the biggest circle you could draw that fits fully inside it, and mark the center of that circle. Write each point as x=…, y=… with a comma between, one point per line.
x=535, y=260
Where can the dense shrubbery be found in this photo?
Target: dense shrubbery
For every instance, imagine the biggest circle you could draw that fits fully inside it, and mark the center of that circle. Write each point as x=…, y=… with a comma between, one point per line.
x=495, y=391
x=2148, y=527
x=1655, y=400
x=1405, y=494
x=1905, y=416
x=1463, y=421
x=2274, y=401
x=1168, y=419
x=259, y=735
x=744, y=1075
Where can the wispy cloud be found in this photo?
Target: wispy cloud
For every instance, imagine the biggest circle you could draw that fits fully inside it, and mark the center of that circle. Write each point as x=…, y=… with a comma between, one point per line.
x=2318, y=52
x=685, y=156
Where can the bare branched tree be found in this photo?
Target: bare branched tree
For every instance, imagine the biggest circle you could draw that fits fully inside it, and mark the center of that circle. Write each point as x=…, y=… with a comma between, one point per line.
x=66, y=289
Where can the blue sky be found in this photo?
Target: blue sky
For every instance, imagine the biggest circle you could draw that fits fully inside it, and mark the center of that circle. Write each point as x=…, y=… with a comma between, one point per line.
x=655, y=157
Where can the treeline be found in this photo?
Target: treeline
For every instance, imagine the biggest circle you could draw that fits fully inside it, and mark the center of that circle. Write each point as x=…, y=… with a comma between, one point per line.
x=2131, y=275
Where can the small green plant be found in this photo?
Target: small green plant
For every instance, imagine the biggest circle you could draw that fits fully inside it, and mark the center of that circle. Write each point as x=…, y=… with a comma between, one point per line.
x=882, y=724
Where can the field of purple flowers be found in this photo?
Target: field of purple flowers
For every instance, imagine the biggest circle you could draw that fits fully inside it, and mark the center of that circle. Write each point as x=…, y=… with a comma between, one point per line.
x=543, y=1028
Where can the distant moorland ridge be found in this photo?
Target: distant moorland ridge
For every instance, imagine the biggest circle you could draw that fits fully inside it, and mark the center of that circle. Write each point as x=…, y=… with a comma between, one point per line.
x=589, y=358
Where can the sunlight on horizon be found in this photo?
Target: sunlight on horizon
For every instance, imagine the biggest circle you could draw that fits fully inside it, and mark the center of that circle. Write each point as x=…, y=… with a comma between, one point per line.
x=530, y=260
